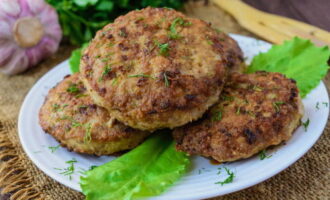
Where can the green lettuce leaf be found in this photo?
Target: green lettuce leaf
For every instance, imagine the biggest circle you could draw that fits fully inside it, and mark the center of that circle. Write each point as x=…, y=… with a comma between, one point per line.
x=298, y=59
x=145, y=171
x=74, y=60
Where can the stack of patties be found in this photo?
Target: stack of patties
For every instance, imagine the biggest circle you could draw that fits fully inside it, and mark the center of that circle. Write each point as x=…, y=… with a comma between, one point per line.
x=156, y=68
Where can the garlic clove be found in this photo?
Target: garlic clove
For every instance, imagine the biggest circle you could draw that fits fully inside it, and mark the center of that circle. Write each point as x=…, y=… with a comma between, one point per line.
x=5, y=32
x=46, y=47
x=10, y=7
x=6, y=49
x=18, y=63
x=36, y=6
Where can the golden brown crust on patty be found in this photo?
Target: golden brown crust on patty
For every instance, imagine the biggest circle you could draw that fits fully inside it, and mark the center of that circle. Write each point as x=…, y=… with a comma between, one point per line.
x=155, y=68
x=255, y=111
x=233, y=53
x=70, y=116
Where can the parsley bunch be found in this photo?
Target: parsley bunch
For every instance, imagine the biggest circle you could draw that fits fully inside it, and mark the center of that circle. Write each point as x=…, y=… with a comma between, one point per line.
x=80, y=19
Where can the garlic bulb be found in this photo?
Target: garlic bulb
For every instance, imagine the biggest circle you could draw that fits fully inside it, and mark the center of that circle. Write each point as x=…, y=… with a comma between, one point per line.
x=29, y=32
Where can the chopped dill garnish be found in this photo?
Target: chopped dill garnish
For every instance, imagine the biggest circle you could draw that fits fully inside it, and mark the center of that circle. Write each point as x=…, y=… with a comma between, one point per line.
x=325, y=103
x=80, y=95
x=164, y=49
x=72, y=89
x=110, y=44
x=227, y=98
x=251, y=113
x=263, y=155
x=217, y=116
x=257, y=88
x=76, y=124
x=277, y=105
x=53, y=148
x=114, y=81
x=238, y=111
x=65, y=117
x=229, y=179
x=139, y=75
x=122, y=33
x=167, y=83
x=105, y=59
x=219, y=171
x=56, y=107
x=88, y=133
x=177, y=21
x=218, y=30
x=209, y=42
x=317, y=106
x=105, y=72
x=305, y=124
x=69, y=171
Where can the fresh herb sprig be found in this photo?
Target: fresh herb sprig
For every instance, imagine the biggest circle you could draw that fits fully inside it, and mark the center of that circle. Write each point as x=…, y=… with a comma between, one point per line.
x=229, y=179
x=263, y=155
x=54, y=148
x=173, y=31
x=305, y=124
x=70, y=170
x=277, y=105
x=81, y=19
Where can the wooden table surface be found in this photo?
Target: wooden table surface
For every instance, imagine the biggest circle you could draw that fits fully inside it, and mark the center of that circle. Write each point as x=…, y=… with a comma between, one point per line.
x=315, y=12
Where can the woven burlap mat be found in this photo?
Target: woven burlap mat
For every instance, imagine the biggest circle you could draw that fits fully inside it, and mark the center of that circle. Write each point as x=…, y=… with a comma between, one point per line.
x=20, y=179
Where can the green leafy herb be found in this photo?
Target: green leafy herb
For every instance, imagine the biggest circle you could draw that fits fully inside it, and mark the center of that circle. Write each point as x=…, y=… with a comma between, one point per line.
x=73, y=88
x=177, y=21
x=80, y=19
x=317, y=106
x=53, y=148
x=325, y=103
x=229, y=179
x=298, y=59
x=217, y=116
x=145, y=171
x=74, y=60
x=277, y=105
x=263, y=155
x=305, y=124
x=69, y=171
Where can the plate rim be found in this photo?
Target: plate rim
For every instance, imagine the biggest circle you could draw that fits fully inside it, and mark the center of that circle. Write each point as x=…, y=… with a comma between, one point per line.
x=240, y=187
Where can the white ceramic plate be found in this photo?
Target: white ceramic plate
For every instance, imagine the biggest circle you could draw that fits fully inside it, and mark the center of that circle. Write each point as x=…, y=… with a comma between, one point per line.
x=198, y=182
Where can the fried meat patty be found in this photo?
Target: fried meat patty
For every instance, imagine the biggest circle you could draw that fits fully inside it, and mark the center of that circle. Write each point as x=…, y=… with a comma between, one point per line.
x=233, y=53
x=255, y=111
x=71, y=117
x=156, y=68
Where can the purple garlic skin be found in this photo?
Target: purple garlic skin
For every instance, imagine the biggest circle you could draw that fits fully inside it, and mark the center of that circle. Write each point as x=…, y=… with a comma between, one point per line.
x=29, y=32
